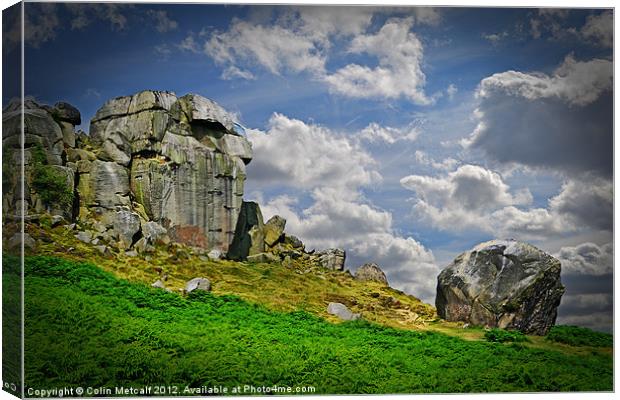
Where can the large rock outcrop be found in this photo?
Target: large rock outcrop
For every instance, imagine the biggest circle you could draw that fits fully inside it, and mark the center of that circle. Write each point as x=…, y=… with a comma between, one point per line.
x=176, y=161
x=154, y=157
x=501, y=283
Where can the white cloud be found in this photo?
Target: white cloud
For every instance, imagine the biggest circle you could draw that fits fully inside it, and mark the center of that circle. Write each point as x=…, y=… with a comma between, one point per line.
x=399, y=73
x=561, y=121
x=476, y=199
x=599, y=29
x=375, y=133
x=273, y=47
x=305, y=156
x=451, y=91
x=586, y=202
x=163, y=23
x=233, y=72
x=447, y=164
x=84, y=14
x=587, y=259
x=495, y=38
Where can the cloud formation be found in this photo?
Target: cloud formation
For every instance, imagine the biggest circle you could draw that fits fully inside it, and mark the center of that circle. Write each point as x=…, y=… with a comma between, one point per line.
x=299, y=155
x=474, y=198
x=301, y=39
x=587, y=259
x=399, y=73
x=375, y=133
x=163, y=23
x=561, y=121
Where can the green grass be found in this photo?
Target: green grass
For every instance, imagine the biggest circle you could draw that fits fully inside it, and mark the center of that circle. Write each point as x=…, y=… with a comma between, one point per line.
x=86, y=327
x=577, y=336
x=503, y=336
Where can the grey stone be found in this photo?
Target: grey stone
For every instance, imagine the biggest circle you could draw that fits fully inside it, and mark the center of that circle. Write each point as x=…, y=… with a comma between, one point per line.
x=249, y=236
x=274, y=228
x=501, y=283
x=215, y=255
x=293, y=241
x=143, y=246
x=160, y=285
x=66, y=112
x=57, y=220
x=103, y=249
x=126, y=224
x=154, y=233
x=332, y=259
x=131, y=253
x=198, y=284
x=15, y=242
x=370, y=272
x=84, y=236
x=342, y=312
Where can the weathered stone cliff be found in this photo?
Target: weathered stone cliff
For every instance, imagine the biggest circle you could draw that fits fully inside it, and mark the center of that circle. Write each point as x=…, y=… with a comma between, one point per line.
x=151, y=157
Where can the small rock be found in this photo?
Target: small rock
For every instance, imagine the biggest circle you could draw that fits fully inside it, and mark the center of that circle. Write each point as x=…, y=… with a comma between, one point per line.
x=342, y=312
x=95, y=241
x=71, y=227
x=263, y=258
x=215, y=254
x=16, y=240
x=57, y=220
x=155, y=233
x=103, y=249
x=198, y=284
x=143, y=246
x=131, y=253
x=332, y=259
x=293, y=241
x=84, y=236
x=99, y=227
x=370, y=272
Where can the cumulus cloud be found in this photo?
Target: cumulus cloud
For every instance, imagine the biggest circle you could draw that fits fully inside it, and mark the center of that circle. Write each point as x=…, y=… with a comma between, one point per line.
x=599, y=29
x=474, y=198
x=451, y=91
x=163, y=23
x=300, y=39
x=561, y=121
x=399, y=73
x=272, y=46
x=301, y=155
x=495, y=38
x=448, y=164
x=82, y=15
x=587, y=259
x=375, y=133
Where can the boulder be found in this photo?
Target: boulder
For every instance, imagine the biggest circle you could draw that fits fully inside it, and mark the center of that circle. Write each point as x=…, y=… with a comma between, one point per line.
x=15, y=242
x=126, y=225
x=370, y=272
x=215, y=255
x=155, y=233
x=249, y=236
x=84, y=236
x=342, y=312
x=66, y=112
x=274, y=228
x=502, y=283
x=198, y=284
x=331, y=259
x=293, y=241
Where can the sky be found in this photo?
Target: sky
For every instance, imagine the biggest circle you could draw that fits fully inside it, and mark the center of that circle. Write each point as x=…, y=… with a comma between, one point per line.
x=404, y=135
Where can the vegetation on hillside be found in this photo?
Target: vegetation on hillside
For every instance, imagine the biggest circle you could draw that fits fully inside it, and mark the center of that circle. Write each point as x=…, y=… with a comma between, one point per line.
x=577, y=336
x=86, y=327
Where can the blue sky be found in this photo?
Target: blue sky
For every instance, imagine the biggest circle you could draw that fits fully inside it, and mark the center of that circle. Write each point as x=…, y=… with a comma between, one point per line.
x=404, y=135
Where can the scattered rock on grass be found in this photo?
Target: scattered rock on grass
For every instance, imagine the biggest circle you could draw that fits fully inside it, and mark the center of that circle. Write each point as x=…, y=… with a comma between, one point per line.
x=342, y=312
x=198, y=284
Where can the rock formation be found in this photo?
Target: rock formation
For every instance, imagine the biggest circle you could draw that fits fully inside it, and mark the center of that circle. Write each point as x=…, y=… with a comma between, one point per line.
x=342, y=312
x=154, y=170
x=151, y=158
x=505, y=284
x=370, y=272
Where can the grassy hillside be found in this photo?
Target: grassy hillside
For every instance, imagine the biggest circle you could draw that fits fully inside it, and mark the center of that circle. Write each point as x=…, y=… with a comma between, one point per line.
x=87, y=327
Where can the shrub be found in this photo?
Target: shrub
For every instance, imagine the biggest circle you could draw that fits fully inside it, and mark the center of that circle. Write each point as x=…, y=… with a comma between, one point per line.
x=502, y=335
x=577, y=336
x=49, y=183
